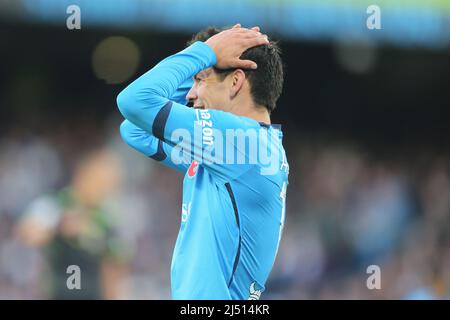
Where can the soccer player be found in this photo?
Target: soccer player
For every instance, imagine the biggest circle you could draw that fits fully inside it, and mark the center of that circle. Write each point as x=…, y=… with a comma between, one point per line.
x=233, y=206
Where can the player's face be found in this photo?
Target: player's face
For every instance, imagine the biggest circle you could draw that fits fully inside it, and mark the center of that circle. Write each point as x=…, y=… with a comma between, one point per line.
x=209, y=91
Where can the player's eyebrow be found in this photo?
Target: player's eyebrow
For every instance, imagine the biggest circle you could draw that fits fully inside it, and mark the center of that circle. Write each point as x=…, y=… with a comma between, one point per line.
x=201, y=76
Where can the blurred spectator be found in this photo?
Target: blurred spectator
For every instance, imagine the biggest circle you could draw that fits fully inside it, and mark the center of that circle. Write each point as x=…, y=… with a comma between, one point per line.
x=74, y=228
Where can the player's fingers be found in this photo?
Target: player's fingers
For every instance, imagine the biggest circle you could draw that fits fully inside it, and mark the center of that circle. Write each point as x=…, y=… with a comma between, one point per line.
x=246, y=31
x=254, y=30
x=254, y=41
x=261, y=39
x=236, y=26
x=252, y=34
x=245, y=64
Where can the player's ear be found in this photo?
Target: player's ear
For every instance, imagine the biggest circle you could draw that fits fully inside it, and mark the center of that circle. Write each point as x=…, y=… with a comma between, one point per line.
x=237, y=82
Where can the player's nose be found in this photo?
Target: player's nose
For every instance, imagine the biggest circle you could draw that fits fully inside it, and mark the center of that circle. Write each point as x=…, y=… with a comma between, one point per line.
x=191, y=95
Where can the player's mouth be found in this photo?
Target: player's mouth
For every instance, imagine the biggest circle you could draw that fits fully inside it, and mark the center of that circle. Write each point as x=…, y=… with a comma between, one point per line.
x=199, y=107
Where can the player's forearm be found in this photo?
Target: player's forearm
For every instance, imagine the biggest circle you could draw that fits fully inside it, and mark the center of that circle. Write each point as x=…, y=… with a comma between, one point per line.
x=180, y=95
x=134, y=135
x=141, y=101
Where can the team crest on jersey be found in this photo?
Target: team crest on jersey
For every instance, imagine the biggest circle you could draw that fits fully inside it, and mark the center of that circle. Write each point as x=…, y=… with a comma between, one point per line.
x=254, y=293
x=192, y=169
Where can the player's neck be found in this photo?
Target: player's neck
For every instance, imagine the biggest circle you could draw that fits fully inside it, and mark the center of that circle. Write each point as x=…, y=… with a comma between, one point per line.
x=252, y=111
x=260, y=114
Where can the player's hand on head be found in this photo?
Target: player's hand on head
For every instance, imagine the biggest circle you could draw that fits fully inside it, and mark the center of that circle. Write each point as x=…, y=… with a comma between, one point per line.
x=229, y=45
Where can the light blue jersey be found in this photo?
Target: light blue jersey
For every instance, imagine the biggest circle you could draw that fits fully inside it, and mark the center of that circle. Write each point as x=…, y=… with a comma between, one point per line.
x=234, y=188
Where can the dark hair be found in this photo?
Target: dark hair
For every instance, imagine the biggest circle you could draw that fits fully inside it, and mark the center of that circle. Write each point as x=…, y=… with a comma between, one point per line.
x=266, y=82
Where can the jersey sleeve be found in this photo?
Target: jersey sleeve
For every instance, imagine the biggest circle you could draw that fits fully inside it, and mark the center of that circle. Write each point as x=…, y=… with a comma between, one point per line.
x=153, y=147
x=200, y=134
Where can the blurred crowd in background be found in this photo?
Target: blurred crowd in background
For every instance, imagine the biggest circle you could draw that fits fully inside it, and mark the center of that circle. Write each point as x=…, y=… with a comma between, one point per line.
x=366, y=125
x=116, y=213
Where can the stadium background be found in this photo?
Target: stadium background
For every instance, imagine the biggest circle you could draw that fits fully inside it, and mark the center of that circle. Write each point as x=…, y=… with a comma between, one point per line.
x=365, y=116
